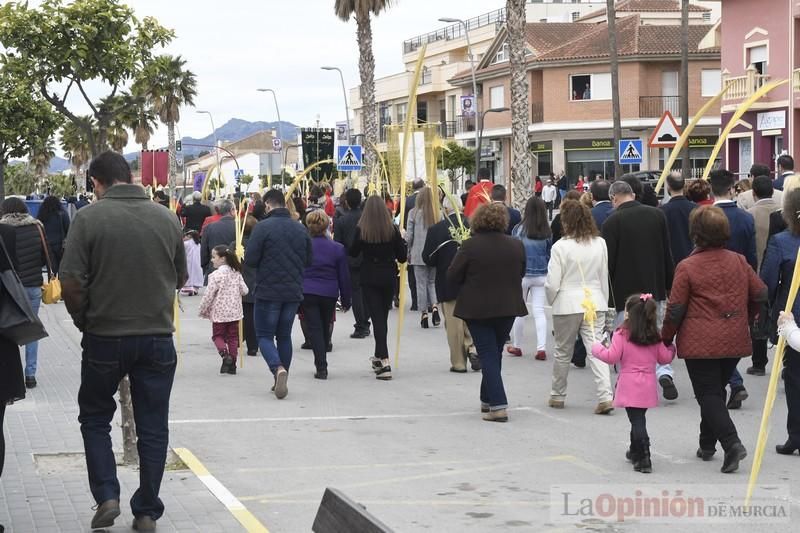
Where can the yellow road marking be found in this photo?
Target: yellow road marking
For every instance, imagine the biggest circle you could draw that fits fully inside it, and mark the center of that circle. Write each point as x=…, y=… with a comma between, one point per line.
x=236, y=508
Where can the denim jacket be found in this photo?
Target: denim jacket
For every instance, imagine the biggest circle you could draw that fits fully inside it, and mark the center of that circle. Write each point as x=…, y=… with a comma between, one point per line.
x=537, y=252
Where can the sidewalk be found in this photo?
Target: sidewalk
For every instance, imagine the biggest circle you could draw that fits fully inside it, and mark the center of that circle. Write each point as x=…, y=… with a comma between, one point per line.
x=44, y=485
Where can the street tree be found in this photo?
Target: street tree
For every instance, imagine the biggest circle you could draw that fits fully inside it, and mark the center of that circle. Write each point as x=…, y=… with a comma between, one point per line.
x=520, y=107
x=363, y=10
x=167, y=86
x=66, y=46
x=611, y=16
x=26, y=120
x=141, y=119
x=41, y=155
x=20, y=179
x=75, y=143
x=457, y=160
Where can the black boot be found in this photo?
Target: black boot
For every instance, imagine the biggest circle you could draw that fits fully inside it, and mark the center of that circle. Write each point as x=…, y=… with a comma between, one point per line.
x=226, y=361
x=644, y=465
x=634, y=454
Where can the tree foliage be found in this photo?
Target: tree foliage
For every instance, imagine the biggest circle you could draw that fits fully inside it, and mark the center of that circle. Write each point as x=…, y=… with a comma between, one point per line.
x=457, y=160
x=20, y=179
x=61, y=185
x=64, y=46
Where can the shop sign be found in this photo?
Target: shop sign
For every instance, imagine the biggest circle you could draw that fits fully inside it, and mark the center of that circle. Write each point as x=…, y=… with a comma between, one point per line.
x=771, y=120
x=589, y=144
x=541, y=146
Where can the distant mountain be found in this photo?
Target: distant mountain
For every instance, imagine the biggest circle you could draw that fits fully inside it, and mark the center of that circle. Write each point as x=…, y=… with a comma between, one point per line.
x=235, y=129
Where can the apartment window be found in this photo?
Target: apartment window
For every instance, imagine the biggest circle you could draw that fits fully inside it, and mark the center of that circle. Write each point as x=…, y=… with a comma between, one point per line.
x=384, y=114
x=758, y=58
x=707, y=16
x=590, y=86
x=452, y=107
x=711, y=82
x=576, y=15
x=502, y=54
x=402, y=110
x=497, y=97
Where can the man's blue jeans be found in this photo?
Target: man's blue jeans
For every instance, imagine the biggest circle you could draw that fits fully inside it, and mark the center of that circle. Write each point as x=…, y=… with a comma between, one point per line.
x=274, y=321
x=149, y=360
x=32, y=349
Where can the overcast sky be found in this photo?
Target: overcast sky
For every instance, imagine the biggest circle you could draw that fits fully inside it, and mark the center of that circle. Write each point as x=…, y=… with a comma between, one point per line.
x=236, y=46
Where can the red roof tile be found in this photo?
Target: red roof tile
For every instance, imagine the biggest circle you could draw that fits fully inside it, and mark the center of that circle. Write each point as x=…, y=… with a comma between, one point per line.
x=647, y=6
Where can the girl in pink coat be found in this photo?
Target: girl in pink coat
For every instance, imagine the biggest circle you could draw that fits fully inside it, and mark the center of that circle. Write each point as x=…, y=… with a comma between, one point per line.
x=222, y=304
x=637, y=346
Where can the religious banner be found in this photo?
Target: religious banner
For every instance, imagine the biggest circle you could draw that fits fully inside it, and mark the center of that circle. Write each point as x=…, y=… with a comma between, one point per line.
x=155, y=164
x=197, y=181
x=318, y=145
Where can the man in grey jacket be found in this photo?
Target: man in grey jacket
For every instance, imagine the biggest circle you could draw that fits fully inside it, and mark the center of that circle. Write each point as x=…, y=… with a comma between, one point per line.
x=124, y=260
x=223, y=231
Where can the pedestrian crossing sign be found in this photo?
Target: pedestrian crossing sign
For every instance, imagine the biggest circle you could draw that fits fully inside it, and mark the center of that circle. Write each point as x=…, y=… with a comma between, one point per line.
x=349, y=158
x=630, y=152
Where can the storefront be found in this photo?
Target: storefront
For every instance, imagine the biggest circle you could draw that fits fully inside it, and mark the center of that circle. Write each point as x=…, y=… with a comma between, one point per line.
x=700, y=147
x=591, y=158
x=759, y=137
x=543, y=153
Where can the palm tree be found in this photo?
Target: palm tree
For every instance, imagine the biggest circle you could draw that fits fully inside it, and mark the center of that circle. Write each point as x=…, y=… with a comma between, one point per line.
x=686, y=162
x=75, y=143
x=520, y=110
x=167, y=86
x=140, y=119
x=611, y=15
x=40, y=157
x=363, y=10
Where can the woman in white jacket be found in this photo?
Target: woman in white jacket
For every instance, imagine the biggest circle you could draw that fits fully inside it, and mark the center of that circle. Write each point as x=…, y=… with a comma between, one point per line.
x=578, y=260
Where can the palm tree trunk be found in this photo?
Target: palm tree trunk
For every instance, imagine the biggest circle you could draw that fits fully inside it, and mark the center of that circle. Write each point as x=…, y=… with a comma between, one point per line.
x=172, y=161
x=686, y=162
x=366, y=68
x=611, y=13
x=521, y=162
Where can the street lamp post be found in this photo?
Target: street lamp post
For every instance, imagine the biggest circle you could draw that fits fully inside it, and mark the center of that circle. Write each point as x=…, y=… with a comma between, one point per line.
x=344, y=94
x=483, y=117
x=474, y=85
x=216, y=145
x=280, y=125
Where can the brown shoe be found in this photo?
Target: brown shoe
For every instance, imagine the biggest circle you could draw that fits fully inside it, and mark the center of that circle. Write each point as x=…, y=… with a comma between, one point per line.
x=496, y=416
x=105, y=515
x=603, y=408
x=556, y=404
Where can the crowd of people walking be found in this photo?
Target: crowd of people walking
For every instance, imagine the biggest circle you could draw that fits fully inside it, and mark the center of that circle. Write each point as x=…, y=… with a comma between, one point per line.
x=630, y=286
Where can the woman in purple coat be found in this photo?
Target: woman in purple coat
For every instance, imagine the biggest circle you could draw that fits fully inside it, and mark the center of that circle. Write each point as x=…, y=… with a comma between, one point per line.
x=324, y=281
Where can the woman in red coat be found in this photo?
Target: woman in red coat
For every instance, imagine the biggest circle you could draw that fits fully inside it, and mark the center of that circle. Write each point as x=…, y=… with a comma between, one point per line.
x=714, y=296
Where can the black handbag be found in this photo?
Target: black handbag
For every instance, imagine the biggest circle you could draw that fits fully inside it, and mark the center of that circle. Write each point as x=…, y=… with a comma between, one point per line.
x=18, y=322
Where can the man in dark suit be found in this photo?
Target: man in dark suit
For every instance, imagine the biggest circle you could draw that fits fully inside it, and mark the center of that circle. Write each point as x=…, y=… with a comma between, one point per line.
x=195, y=213
x=499, y=196
x=602, y=203
x=677, y=211
x=742, y=241
x=223, y=231
x=785, y=169
x=639, y=259
x=343, y=232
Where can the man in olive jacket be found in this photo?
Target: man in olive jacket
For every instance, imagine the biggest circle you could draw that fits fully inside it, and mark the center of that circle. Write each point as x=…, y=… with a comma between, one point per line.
x=124, y=260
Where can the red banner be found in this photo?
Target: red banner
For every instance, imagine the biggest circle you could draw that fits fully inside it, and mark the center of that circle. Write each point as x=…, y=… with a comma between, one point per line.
x=155, y=164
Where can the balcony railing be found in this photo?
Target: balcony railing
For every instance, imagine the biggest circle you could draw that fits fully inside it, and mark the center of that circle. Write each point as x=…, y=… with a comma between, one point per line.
x=455, y=31
x=745, y=86
x=537, y=112
x=465, y=124
x=654, y=106
x=447, y=130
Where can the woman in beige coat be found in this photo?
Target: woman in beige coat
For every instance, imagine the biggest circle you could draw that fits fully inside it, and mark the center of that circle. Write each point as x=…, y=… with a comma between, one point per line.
x=579, y=259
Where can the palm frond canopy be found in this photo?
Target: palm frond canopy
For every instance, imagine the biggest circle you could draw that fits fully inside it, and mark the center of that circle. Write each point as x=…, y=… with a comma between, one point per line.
x=167, y=86
x=360, y=8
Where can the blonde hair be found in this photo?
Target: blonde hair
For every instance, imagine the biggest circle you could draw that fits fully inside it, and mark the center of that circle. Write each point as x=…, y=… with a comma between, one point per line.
x=317, y=222
x=424, y=204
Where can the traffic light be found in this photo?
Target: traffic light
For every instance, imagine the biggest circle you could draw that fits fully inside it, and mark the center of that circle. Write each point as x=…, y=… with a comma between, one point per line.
x=177, y=146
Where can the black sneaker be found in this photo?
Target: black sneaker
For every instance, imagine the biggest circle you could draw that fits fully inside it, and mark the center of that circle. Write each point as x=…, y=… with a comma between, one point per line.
x=705, y=455
x=227, y=362
x=376, y=364
x=321, y=374
x=474, y=361
x=385, y=373
x=756, y=371
x=738, y=395
x=232, y=367
x=30, y=382
x=668, y=386
x=305, y=346
x=358, y=334
x=435, y=318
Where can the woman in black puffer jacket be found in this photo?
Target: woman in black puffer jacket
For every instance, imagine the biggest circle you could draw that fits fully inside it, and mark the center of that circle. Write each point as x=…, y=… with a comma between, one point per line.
x=30, y=256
